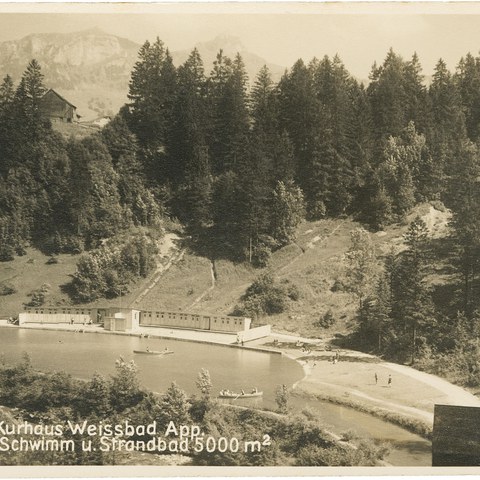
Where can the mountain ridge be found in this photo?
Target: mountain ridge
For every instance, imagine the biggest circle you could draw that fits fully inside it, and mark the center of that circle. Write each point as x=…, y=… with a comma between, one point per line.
x=92, y=68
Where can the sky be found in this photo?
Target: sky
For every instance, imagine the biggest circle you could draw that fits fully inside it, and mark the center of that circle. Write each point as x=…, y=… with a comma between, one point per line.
x=279, y=33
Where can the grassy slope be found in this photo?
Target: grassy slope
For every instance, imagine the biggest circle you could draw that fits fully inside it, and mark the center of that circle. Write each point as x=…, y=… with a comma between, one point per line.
x=313, y=264
x=28, y=273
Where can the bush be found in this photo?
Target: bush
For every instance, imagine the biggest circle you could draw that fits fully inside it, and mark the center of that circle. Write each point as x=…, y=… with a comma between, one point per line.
x=52, y=261
x=7, y=253
x=7, y=289
x=326, y=320
x=265, y=296
x=107, y=271
x=338, y=286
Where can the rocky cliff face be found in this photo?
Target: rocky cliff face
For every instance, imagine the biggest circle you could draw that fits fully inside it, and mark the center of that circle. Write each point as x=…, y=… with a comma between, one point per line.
x=70, y=61
x=92, y=68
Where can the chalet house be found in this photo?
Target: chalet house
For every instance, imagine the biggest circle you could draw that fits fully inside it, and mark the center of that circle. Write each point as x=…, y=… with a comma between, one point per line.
x=54, y=107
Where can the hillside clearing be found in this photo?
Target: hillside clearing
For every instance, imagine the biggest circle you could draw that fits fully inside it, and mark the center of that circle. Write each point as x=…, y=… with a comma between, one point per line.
x=184, y=282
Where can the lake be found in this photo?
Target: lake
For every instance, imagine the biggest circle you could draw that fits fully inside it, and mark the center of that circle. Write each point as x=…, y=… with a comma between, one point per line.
x=82, y=354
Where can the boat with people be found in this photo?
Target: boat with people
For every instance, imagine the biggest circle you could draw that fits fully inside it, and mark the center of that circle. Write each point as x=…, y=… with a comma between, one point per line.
x=228, y=394
x=154, y=352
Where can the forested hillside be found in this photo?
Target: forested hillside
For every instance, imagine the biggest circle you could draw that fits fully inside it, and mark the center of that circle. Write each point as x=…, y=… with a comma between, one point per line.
x=242, y=165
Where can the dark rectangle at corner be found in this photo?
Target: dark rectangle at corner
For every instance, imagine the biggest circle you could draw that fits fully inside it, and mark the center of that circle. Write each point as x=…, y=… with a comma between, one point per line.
x=456, y=436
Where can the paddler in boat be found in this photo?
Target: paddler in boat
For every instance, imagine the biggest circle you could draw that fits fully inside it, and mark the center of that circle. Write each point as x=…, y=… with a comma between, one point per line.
x=254, y=390
x=148, y=348
x=243, y=393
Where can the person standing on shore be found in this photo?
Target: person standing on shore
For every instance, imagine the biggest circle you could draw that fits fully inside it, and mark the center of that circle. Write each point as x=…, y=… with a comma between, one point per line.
x=389, y=383
x=376, y=378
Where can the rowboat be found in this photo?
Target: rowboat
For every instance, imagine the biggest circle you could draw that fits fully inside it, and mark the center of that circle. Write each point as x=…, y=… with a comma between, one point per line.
x=153, y=352
x=239, y=395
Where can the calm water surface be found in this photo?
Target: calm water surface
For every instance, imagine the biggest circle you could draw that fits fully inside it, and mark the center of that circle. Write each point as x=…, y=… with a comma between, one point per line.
x=83, y=354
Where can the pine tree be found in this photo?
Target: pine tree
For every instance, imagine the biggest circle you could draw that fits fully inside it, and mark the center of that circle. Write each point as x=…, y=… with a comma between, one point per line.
x=388, y=98
x=31, y=94
x=230, y=122
x=412, y=307
x=297, y=117
x=288, y=210
x=189, y=127
x=464, y=200
x=362, y=268
x=417, y=108
x=448, y=131
x=151, y=93
x=467, y=79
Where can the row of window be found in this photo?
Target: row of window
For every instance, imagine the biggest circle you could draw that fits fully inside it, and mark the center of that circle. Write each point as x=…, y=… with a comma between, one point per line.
x=67, y=311
x=186, y=317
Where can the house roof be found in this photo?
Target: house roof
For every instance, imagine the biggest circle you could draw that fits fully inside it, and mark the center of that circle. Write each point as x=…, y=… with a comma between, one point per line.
x=60, y=97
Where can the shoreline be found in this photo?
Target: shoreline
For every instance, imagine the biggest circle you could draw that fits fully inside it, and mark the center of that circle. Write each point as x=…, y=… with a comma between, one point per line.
x=409, y=423
x=307, y=387
x=140, y=334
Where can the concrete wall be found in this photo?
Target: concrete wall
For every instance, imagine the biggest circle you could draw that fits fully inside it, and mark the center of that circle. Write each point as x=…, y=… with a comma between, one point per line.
x=255, y=332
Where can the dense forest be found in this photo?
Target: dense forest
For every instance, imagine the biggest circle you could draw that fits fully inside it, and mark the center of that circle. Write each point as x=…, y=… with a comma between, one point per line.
x=241, y=165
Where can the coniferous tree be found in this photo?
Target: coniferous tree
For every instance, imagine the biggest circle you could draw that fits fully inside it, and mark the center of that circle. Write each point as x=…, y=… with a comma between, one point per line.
x=151, y=92
x=417, y=108
x=412, y=308
x=448, y=131
x=227, y=89
x=388, y=98
x=297, y=117
x=467, y=79
x=465, y=204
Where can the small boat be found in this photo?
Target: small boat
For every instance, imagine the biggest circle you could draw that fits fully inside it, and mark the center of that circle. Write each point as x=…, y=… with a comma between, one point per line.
x=153, y=352
x=239, y=395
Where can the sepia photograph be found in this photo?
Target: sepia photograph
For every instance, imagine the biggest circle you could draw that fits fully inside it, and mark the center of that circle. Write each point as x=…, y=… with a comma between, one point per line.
x=239, y=235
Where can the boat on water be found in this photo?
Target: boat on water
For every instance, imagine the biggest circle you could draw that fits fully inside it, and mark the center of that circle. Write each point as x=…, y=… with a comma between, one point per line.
x=235, y=395
x=153, y=352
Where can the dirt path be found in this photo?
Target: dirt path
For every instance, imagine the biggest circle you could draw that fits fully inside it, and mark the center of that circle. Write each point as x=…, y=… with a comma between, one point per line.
x=411, y=392
x=454, y=392
x=167, y=249
x=209, y=289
